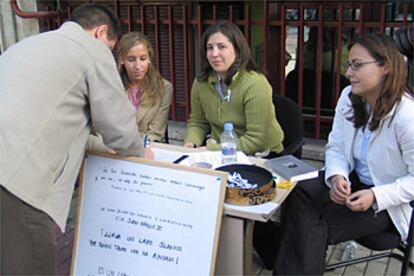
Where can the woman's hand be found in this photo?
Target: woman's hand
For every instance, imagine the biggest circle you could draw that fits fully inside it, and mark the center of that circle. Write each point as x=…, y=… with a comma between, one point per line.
x=149, y=153
x=189, y=145
x=340, y=189
x=361, y=200
x=110, y=151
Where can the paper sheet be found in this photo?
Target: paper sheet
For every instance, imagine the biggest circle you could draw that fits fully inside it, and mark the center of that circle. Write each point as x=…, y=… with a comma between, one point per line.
x=168, y=156
x=213, y=158
x=210, y=157
x=261, y=212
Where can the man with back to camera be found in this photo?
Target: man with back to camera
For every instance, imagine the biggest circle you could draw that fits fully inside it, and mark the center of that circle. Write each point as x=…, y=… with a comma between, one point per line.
x=53, y=87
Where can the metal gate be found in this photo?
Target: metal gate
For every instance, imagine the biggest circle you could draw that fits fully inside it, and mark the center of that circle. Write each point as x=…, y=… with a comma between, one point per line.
x=300, y=44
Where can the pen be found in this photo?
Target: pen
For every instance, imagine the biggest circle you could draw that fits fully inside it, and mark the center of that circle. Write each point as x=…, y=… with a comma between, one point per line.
x=147, y=140
x=181, y=158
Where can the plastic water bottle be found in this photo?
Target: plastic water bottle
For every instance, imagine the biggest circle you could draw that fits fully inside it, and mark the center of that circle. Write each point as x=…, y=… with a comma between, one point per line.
x=228, y=142
x=349, y=251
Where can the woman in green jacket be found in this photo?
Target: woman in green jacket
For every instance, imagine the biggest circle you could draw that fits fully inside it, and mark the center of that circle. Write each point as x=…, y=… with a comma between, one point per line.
x=232, y=88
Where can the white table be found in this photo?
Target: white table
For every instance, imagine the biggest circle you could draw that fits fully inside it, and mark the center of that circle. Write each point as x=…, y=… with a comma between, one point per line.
x=236, y=244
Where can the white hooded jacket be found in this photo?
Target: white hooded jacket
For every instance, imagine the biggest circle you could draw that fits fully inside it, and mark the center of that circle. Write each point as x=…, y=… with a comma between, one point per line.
x=390, y=156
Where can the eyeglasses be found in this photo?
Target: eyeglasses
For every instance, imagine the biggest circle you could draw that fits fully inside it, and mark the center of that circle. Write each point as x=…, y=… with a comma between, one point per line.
x=356, y=65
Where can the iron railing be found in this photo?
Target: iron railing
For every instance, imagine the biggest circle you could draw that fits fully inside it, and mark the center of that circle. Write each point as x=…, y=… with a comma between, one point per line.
x=314, y=33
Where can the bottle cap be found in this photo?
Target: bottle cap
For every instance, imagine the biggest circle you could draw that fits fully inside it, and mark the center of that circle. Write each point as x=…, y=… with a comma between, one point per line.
x=228, y=126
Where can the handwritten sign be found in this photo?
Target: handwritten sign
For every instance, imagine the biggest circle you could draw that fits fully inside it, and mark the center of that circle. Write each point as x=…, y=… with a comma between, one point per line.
x=142, y=217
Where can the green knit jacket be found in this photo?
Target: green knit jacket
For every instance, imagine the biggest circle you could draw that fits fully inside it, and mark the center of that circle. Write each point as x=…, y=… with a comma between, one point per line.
x=250, y=110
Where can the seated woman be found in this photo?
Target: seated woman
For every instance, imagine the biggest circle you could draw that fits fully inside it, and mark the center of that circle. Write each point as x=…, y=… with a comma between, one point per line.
x=145, y=88
x=369, y=172
x=232, y=88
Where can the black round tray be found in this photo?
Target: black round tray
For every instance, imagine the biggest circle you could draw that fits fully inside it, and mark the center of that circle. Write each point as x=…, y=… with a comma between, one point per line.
x=254, y=174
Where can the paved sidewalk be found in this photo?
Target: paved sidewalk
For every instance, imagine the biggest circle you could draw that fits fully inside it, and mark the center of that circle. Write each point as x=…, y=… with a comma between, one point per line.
x=385, y=266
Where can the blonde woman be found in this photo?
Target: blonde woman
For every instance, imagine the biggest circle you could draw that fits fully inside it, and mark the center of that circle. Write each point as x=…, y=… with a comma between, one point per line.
x=148, y=92
x=146, y=89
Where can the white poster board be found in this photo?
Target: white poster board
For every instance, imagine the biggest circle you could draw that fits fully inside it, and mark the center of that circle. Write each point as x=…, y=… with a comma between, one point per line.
x=142, y=217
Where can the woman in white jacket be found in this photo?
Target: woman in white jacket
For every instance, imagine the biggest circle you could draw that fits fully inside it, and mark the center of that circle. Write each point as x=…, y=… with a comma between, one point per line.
x=369, y=173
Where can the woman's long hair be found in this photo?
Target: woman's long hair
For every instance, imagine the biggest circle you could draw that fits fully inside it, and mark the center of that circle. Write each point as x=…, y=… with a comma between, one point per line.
x=383, y=49
x=152, y=85
x=243, y=60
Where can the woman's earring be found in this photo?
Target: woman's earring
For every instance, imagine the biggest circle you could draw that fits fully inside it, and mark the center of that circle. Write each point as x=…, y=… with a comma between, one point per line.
x=149, y=61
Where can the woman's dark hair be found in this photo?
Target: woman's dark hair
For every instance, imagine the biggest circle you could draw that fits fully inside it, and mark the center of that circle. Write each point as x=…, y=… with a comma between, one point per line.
x=243, y=60
x=382, y=49
x=92, y=15
x=404, y=39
